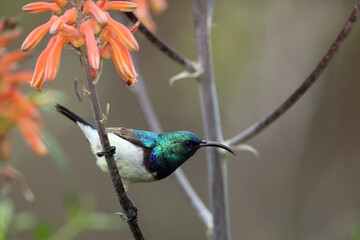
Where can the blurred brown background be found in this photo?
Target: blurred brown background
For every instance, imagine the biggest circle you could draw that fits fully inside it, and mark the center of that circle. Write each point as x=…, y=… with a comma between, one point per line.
x=305, y=184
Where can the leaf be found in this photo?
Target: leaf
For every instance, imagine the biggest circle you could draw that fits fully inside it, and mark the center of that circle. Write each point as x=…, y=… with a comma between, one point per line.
x=23, y=221
x=102, y=222
x=44, y=230
x=71, y=202
x=6, y=215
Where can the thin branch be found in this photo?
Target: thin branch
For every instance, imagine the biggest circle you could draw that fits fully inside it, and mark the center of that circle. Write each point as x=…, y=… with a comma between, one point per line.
x=202, y=211
x=211, y=118
x=144, y=103
x=164, y=47
x=261, y=124
x=154, y=125
x=130, y=211
x=153, y=122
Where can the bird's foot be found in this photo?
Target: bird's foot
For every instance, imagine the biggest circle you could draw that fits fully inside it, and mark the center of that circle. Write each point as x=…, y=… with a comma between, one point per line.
x=133, y=215
x=107, y=153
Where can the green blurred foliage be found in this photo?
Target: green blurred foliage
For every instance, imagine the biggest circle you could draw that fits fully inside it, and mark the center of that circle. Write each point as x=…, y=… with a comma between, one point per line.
x=81, y=217
x=12, y=223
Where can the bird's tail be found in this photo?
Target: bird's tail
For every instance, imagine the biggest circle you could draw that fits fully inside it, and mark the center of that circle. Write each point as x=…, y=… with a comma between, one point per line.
x=72, y=116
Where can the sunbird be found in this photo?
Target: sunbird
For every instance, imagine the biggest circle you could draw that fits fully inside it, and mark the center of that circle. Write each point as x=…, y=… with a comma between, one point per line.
x=142, y=156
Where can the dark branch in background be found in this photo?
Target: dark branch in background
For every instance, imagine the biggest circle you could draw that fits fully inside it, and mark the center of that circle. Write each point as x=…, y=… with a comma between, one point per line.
x=260, y=125
x=130, y=211
x=164, y=47
x=211, y=119
x=153, y=122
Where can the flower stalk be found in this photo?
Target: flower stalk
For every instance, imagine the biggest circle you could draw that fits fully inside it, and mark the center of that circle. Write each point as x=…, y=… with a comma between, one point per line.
x=129, y=211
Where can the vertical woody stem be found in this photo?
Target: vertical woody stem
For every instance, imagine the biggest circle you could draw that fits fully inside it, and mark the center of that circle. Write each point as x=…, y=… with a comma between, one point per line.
x=130, y=211
x=211, y=118
x=154, y=125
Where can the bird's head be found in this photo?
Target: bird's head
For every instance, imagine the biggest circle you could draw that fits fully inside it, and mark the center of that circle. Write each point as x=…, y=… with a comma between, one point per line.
x=179, y=146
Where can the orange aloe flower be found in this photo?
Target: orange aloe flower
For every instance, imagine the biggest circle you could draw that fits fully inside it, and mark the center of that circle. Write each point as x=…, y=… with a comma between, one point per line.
x=118, y=6
x=143, y=11
x=38, y=7
x=17, y=110
x=8, y=36
x=53, y=61
x=120, y=56
x=37, y=34
x=80, y=24
x=123, y=34
x=38, y=78
x=87, y=29
x=12, y=57
x=69, y=17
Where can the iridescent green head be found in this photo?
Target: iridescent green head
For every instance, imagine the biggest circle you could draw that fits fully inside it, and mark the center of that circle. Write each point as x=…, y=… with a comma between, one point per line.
x=174, y=148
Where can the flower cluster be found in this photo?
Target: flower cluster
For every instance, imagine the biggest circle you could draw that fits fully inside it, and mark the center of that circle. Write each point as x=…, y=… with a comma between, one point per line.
x=17, y=110
x=143, y=11
x=82, y=23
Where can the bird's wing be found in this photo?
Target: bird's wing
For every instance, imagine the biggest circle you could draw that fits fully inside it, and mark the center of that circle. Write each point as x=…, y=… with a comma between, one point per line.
x=127, y=134
x=140, y=138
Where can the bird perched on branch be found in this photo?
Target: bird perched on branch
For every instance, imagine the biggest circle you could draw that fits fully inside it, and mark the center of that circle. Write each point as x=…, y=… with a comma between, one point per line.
x=142, y=156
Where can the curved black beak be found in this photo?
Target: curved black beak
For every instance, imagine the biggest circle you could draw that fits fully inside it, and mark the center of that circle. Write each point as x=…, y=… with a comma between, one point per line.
x=205, y=143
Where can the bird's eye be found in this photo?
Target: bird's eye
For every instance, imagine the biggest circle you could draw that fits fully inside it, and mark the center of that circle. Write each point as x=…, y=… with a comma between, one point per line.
x=187, y=143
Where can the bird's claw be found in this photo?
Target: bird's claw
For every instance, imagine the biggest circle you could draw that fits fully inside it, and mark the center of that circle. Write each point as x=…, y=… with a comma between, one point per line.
x=131, y=218
x=107, y=153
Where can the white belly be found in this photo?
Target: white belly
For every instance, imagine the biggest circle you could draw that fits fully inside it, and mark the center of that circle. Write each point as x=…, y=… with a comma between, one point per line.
x=128, y=157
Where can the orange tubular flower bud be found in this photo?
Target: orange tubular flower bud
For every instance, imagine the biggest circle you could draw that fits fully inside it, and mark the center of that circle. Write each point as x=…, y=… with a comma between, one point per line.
x=102, y=4
x=24, y=106
x=87, y=29
x=120, y=6
x=121, y=57
x=12, y=57
x=37, y=34
x=38, y=7
x=5, y=146
x=105, y=51
x=53, y=62
x=91, y=8
x=94, y=72
x=16, y=78
x=61, y=3
x=123, y=34
x=97, y=26
x=78, y=42
x=2, y=24
x=38, y=78
x=9, y=36
x=135, y=26
x=68, y=17
x=76, y=38
x=31, y=134
x=70, y=31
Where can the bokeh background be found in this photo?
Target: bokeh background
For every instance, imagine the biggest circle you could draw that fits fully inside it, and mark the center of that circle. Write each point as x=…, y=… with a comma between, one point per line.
x=304, y=185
